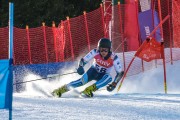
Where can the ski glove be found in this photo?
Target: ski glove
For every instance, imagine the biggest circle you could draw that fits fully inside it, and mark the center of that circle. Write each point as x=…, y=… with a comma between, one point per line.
x=111, y=86
x=118, y=77
x=80, y=70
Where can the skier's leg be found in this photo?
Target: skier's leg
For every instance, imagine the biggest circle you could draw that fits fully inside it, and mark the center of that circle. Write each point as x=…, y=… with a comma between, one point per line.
x=103, y=81
x=99, y=84
x=88, y=76
x=83, y=80
x=65, y=88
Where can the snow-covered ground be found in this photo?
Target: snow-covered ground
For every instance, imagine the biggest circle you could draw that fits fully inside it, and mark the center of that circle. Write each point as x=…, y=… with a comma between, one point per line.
x=140, y=98
x=117, y=107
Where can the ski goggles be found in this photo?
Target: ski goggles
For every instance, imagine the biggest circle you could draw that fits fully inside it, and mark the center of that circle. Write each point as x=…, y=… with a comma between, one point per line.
x=104, y=50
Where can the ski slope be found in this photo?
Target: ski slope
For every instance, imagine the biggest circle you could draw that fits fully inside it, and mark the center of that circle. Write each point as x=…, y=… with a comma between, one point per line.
x=140, y=98
x=117, y=107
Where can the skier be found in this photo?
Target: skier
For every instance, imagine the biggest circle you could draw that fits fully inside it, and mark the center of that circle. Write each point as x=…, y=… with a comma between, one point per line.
x=104, y=60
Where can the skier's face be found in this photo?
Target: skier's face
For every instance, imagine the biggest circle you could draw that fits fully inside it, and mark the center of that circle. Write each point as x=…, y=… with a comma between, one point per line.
x=104, y=52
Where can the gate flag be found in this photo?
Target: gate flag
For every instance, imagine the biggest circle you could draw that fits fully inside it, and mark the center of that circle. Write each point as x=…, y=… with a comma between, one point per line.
x=150, y=50
x=5, y=84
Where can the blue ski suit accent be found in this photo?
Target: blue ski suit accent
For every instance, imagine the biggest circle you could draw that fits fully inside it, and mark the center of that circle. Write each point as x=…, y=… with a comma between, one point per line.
x=102, y=79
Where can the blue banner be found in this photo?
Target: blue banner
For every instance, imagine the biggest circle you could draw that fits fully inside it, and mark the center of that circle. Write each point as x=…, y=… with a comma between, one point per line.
x=6, y=84
x=146, y=24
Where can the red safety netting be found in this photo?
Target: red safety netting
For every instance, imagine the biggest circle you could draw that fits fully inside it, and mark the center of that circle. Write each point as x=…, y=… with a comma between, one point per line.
x=74, y=37
x=4, y=42
x=21, y=50
x=176, y=23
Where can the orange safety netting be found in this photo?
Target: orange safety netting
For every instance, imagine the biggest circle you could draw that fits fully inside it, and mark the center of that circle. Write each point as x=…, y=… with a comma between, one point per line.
x=176, y=23
x=4, y=42
x=75, y=37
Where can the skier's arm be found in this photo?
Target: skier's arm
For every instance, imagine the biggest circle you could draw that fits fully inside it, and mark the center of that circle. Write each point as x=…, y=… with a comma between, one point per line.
x=87, y=57
x=120, y=73
x=85, y=60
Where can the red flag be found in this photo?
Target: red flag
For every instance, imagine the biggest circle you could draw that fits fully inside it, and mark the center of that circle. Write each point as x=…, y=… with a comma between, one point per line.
x=150, y=50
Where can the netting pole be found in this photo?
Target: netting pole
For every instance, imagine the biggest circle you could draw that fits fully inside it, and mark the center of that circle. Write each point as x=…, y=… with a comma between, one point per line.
x=63, y=39
x=140, y=41
x=70, y=36
x=164, y=64
x=87, y=31
x=29, y=44
x=153, y=24
x=45, y=43
x=55, y=42
x=170, y=32
x=102, y=15
x=122, y=34
x=160, y=17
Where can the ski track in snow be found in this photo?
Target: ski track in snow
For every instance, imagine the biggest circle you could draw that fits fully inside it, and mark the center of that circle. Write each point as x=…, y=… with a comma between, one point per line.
x=103, y=107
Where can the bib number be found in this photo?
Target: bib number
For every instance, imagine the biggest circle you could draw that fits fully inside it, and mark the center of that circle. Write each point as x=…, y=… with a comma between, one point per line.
x=100, y=69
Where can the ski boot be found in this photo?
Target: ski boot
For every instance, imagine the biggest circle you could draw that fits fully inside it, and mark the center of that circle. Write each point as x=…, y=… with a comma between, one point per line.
x=88, y=91
x=58, y=92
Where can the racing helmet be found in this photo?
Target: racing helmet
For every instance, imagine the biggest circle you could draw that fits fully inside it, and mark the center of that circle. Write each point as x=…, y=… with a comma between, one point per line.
x=104, y=43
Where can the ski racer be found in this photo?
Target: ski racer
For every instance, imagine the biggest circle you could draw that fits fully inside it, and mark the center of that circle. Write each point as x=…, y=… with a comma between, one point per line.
x=104, y=61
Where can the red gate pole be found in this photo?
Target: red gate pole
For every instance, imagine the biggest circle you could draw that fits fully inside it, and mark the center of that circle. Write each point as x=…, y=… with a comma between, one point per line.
x=70, y=36
x=29, y=44
x=125, y=73
x=164, y=64
x=87, y=32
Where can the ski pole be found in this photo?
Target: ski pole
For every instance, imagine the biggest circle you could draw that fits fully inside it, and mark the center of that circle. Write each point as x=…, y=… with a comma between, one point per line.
x=43, y=78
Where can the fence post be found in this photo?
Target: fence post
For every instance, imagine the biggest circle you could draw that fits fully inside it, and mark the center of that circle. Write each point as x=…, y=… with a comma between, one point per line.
x=139, y=37
x=69, y=30
x=102, y=15
x=62, y=27
x=29, y=44
x=45, y=43
x=55, y=41
x=87, y=32
x=170, y=31
x=121, y=30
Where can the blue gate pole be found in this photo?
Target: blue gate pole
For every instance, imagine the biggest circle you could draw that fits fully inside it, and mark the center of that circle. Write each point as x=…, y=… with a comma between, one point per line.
x=11, y=20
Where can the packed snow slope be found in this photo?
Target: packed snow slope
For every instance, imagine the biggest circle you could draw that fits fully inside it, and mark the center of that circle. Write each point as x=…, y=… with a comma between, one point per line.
x=140, y=98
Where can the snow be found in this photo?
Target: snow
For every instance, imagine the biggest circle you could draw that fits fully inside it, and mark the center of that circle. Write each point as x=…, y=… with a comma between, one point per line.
x=117, y=107
x=141, y=97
